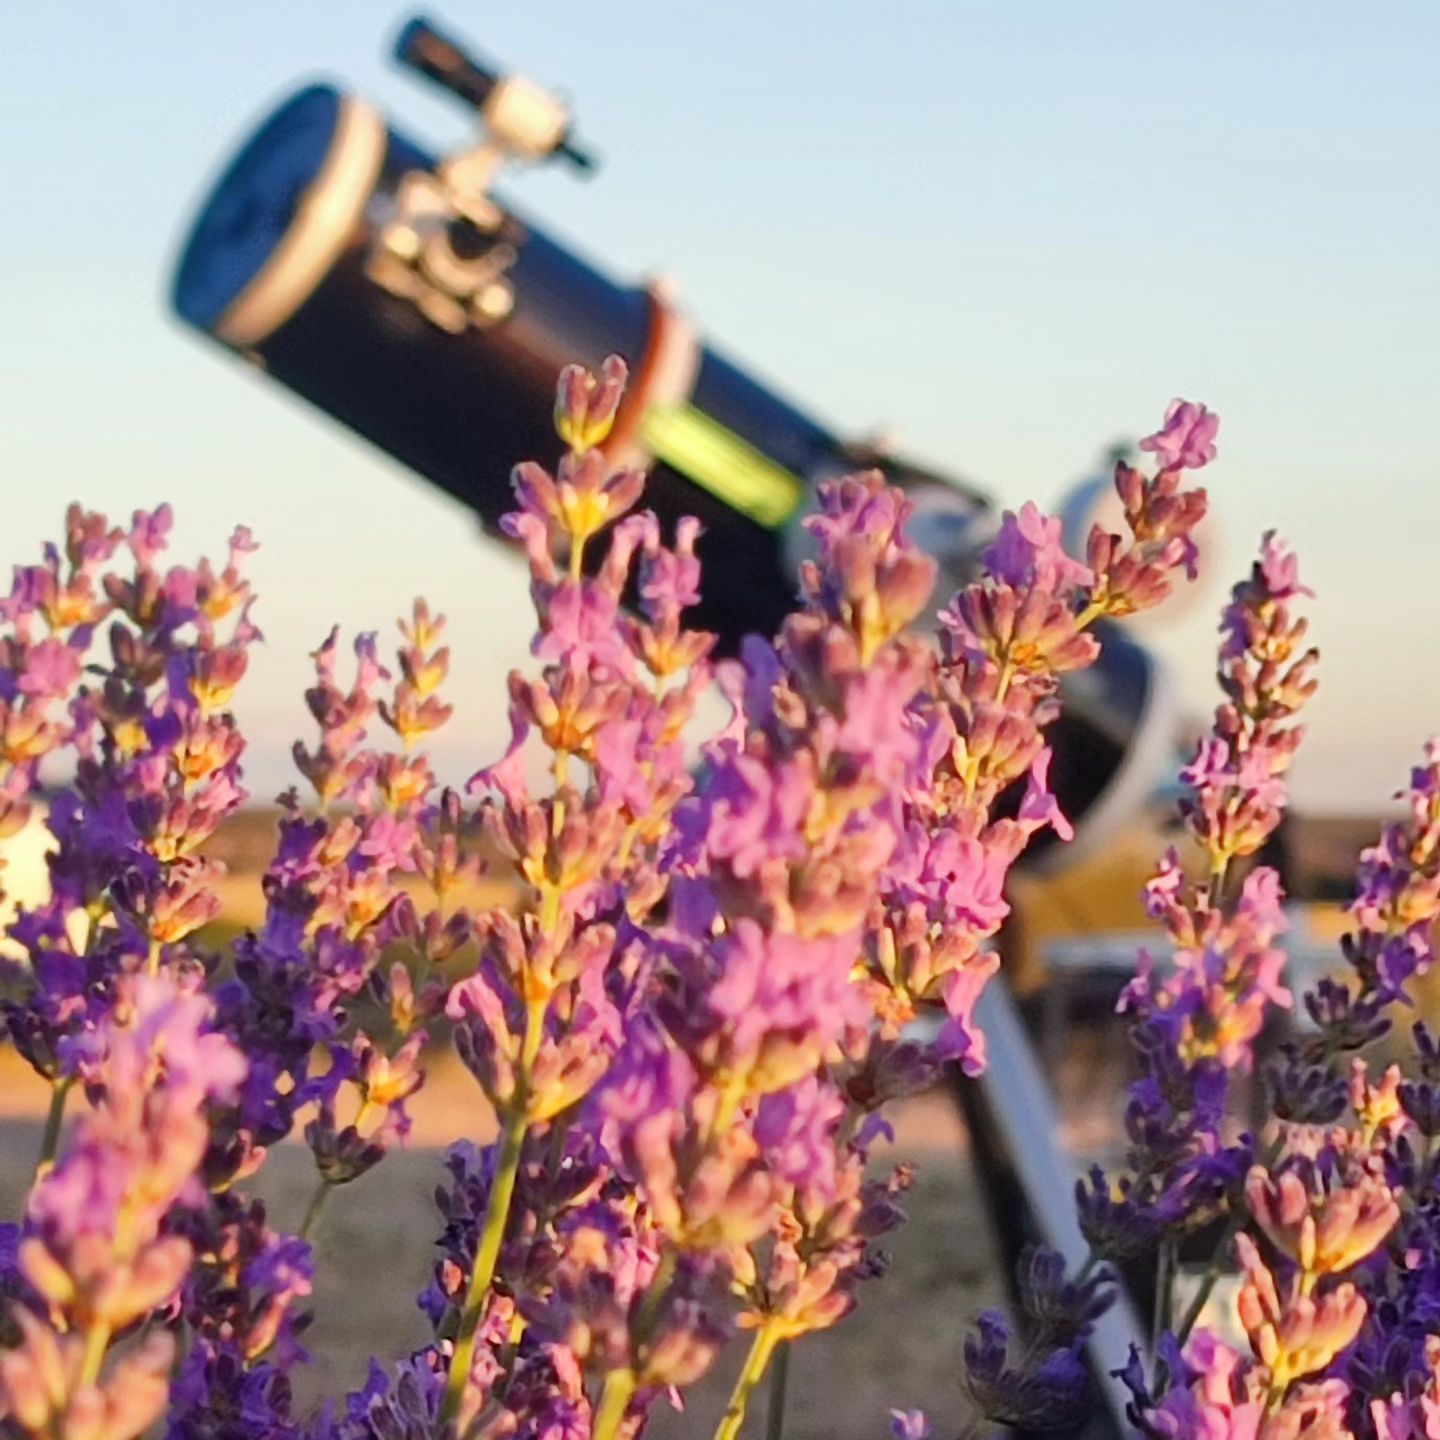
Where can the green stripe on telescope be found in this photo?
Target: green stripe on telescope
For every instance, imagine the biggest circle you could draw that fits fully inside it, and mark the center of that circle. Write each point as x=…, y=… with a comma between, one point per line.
x=718, y=460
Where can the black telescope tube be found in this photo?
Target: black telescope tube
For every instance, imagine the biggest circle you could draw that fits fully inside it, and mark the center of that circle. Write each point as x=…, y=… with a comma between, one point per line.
x=279, y=267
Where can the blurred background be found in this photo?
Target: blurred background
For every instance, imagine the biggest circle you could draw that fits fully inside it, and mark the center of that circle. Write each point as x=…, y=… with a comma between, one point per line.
x=1006, y=234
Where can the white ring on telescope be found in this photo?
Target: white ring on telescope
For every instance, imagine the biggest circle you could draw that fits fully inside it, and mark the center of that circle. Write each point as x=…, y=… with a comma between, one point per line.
x=324, y=223
x=1147, y=759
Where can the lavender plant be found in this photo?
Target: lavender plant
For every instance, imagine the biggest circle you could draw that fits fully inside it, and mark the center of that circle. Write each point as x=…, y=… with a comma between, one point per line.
x=697, y=999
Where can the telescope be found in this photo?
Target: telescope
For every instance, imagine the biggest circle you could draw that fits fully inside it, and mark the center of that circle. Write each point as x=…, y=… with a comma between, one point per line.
x=401, y=294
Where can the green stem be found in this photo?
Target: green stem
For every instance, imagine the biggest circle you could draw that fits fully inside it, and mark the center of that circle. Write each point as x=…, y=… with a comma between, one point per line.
x=1219, y=871
x=614, y=1401
x=1164, y=1291
x=497, y=1213
x=314, y=1208
x=654, y=1298
x=761, y=1348
x=620, y=1385
x=97, y=1341
x=54, y=1119
x=779, y=1383
x=1212, y=1277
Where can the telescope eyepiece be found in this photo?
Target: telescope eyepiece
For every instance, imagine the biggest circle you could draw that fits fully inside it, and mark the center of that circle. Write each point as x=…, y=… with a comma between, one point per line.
x=510, y=106
x=428, y=51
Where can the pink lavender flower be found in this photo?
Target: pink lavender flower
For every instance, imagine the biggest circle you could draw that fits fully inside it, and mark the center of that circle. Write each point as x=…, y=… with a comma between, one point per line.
x=1213, y=1393
x=1225, y=978
x=1006, y=641
x=1028, y=552
x=158, y=766
x=1398, y=891
x=1186, y=441
x=1324, y=1224
x=96, y=1252
x=765, y=1008
x=797, y=1130
x=693, y=1011
x=1197, y=1021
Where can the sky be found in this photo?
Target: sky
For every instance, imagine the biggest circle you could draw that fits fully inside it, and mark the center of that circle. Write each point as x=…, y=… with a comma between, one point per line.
x=1008, y=233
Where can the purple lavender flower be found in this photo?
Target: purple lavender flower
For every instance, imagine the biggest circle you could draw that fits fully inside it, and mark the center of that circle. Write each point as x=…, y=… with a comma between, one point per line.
x=691, y=1014
x=1212, y=1392
x=96, y=1252
x=157, y=768
x=909, y=1425
x=1050, y=1395
x=1028, y=552
x=1187, y=439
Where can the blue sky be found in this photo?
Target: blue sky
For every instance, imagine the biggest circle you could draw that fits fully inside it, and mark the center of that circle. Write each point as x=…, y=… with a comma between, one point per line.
x=1009, y=232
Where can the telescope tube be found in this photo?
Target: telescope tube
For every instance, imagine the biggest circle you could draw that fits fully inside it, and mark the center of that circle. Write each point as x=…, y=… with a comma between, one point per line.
x=278, y=268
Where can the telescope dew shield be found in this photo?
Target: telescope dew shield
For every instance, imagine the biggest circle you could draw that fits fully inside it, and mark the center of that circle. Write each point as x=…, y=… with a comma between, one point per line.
x=286, y=265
